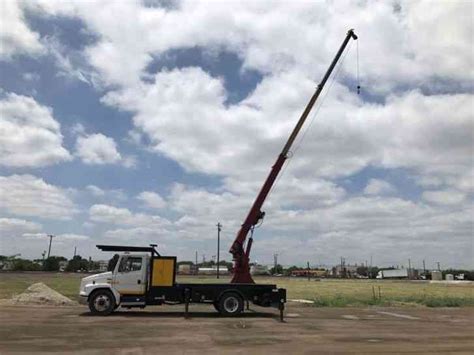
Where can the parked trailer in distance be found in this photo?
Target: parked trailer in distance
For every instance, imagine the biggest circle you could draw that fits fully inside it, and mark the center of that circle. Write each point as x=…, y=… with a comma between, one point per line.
x=393, y=274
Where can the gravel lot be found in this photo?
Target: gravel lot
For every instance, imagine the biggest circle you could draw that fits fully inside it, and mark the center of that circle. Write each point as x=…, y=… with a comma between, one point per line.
x=307, y=329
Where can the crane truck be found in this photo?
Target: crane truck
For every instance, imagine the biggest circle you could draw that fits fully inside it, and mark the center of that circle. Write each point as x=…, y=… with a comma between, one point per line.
x=142, y=277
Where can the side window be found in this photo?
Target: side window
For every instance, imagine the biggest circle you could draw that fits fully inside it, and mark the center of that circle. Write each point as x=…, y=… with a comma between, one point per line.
x=130, y=264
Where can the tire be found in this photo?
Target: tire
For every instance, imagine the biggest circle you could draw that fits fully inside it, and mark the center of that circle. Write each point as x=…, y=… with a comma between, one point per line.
x=231, y=304
x=216, y=306
x=102, y=302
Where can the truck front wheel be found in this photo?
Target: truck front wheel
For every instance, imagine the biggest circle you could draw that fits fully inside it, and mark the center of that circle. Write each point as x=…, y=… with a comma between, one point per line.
x=231, y=304
x=102, y=302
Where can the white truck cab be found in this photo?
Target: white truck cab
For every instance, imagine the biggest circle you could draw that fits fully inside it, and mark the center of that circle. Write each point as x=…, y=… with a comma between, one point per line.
x=106, y=290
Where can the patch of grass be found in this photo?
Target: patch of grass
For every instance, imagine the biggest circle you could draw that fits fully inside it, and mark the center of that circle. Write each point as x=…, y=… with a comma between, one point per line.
x=345, y=301
x=326, y=293
x=12, y=284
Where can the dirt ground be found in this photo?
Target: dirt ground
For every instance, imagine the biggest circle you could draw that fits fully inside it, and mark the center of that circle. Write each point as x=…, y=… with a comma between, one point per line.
x=26, y=329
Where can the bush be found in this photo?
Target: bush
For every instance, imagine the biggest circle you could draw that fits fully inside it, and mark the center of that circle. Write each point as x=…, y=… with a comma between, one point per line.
x=25, y=265
x=77, y=263
x=51, y=264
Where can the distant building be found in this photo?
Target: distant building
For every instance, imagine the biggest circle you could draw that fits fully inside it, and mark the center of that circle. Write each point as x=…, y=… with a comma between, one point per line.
x=345, y=271
x=311, y=272
x=6, y=265
x=184, y=269
x=259, y=270
x=213, y=270
x=63, y=265
x=103, y=265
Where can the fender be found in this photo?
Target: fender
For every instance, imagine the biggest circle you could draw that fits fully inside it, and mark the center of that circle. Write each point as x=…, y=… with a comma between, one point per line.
x=232, y=291
x=89, y=288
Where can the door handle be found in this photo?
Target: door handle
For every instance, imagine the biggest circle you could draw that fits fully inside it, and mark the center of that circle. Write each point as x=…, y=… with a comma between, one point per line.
x=139, y=281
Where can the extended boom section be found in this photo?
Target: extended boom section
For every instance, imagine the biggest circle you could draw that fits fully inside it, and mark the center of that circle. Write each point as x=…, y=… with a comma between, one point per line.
x=241, y=257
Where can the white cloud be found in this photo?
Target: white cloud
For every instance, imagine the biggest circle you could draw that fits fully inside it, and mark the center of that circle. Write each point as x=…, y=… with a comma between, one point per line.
x=57, y=237
x=410, y=130
x=130, y=161
x=414, y=36
x=78, y=129
x=444, y=197
x=94, y=190
x=97, y=149
x=31, y=76
x=27, y=195
x=152, y=199
x=71, y=236
x=15, y=36
x=124, y=217
x=29, y=134
x=17, y=226
x=379, y=187
x=106, y=194
x=137, y=234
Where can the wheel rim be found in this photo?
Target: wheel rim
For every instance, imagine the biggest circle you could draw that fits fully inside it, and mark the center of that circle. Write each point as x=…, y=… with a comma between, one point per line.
x=102, y=303
x=231, y=304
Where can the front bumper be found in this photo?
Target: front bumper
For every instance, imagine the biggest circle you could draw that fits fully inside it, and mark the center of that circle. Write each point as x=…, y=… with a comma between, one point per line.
x=82, y=299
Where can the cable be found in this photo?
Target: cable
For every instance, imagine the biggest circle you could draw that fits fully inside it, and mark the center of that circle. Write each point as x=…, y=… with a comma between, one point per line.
x=313, y=116
x=358, y=77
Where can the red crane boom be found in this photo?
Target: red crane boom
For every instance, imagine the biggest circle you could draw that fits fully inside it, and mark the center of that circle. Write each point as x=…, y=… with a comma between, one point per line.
x=241, y=270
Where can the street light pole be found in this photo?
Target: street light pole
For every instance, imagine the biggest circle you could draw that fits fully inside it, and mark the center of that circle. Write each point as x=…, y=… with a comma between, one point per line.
x=219, y=228
x=50, y=241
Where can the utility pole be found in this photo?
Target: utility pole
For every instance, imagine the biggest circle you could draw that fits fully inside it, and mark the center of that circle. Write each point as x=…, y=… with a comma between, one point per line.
x=424, y=268
x=409, y=269
x=439, y=267
x=75, y=248
x=275, y=263
x=196, y=264
x=219, y=228
x=50, y=241
x=309, y=277
x=343, y=267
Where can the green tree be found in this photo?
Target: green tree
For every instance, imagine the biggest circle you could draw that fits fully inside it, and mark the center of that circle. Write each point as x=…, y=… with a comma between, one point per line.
x=25, y=265
x=291, y=269
x=277, y=270
x=184, y=262
x=363, y=271
x=77, y=263
x=52, y=263
x=373, y=271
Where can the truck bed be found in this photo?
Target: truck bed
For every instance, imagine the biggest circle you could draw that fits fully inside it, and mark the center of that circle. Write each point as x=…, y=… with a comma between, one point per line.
x=265, y=295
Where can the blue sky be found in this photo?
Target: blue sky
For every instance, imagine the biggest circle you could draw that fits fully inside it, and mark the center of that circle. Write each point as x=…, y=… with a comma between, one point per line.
x=153, y=124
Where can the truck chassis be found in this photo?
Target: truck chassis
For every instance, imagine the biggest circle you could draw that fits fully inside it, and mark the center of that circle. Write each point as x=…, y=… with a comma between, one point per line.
x=160, y=287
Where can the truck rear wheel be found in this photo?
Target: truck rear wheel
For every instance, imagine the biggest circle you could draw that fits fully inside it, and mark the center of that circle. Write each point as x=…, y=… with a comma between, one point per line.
x=231, y=304
x=102, y=302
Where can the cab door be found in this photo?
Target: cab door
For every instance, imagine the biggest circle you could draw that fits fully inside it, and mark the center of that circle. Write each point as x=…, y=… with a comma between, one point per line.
x=130, y=278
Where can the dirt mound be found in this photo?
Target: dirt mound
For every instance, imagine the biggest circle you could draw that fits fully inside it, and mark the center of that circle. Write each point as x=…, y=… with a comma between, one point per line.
x=41, y=294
